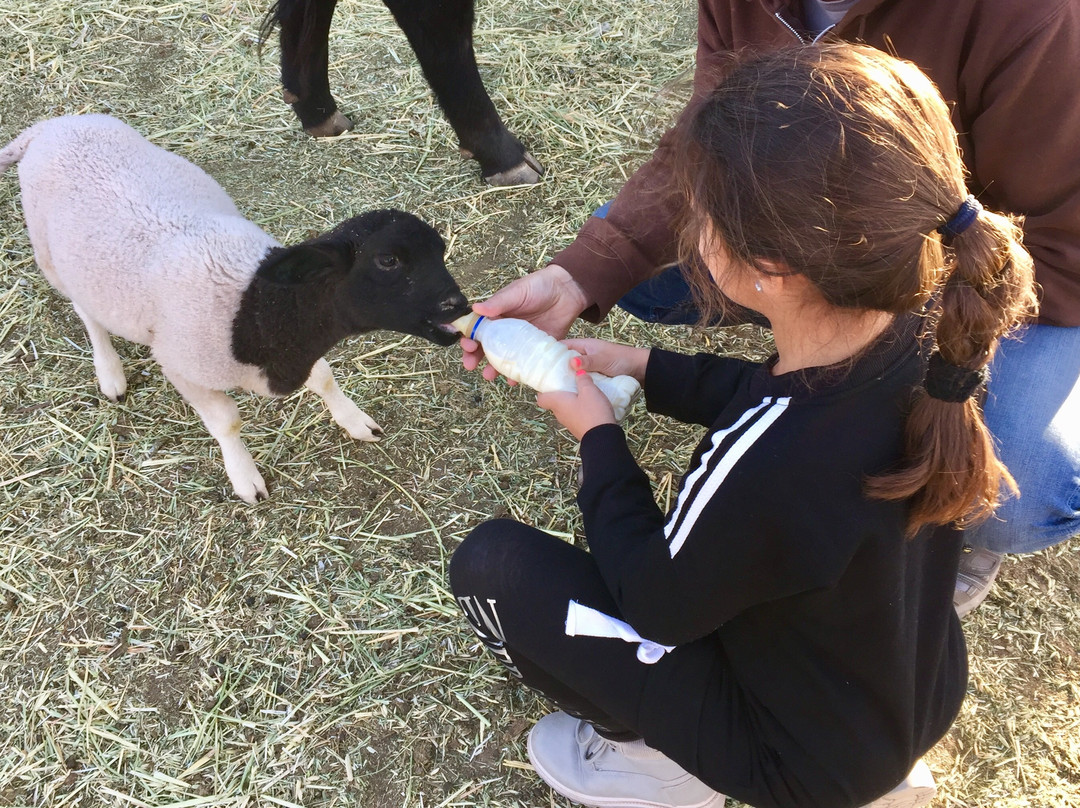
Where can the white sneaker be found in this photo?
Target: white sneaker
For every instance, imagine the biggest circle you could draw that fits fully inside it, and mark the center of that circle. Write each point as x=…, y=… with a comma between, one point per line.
x=978, y=569
x=917, y=790
x=587, y=768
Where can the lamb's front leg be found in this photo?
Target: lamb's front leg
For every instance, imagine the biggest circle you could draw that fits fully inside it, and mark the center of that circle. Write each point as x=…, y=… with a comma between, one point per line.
x=222, y=419
x=347, y=415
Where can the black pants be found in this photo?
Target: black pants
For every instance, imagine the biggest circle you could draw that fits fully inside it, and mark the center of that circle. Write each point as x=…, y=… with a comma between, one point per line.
x=515, y=584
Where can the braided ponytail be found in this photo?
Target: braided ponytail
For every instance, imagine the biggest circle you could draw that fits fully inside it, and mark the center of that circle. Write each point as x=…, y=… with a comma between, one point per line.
x=951, y=472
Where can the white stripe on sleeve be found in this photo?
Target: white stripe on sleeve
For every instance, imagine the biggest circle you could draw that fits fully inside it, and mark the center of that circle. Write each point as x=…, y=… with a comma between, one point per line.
x=774, y=409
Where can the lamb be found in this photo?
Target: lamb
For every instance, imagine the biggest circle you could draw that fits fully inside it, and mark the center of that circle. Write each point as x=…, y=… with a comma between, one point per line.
x=148, y=247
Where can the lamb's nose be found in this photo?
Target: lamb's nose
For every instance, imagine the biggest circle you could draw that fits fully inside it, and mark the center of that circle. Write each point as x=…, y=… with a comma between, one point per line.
x=456, y=301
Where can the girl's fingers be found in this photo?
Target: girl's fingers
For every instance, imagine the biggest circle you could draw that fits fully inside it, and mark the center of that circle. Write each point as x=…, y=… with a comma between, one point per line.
x=579, y=345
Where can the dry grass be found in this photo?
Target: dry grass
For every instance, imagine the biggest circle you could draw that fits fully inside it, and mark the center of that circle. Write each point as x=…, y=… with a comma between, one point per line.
x=164, y=644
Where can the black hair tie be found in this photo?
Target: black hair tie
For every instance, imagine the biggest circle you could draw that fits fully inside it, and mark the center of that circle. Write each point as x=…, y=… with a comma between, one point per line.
x=952, y=383
x=964, y=218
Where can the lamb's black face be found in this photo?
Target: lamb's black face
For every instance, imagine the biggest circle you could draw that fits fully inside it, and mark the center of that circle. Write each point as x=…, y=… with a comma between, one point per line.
x=398, y=280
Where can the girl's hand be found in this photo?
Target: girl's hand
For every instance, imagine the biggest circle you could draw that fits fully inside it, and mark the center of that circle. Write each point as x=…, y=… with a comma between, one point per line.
x=581, y=411
x=549, y=299
x=609, y=358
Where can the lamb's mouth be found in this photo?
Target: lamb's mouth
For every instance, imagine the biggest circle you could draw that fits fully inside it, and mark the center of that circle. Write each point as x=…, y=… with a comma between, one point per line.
x=439, y=333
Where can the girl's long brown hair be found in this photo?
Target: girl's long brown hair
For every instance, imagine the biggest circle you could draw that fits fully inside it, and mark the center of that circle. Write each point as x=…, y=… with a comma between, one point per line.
x=840, y=163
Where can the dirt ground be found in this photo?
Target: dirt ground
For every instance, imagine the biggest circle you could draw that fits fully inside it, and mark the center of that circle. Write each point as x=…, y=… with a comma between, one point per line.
x=162, y=643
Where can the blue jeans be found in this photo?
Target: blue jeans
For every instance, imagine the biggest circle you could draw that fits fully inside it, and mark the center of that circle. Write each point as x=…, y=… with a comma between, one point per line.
x=1032, y=409
x=664, y=298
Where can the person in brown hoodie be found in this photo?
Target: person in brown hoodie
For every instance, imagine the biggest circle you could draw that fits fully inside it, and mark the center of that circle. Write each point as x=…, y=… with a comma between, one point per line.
x=1007, y=68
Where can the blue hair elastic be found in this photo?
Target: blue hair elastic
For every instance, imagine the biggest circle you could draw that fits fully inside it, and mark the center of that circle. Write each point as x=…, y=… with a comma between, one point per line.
x=961, y=220
x=472, y=331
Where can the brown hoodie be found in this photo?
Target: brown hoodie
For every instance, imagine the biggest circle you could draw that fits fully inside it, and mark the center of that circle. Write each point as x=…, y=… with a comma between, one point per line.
x=1008, y=68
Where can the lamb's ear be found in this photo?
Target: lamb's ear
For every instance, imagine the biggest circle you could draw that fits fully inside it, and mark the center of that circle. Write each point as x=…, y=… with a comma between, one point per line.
x=306, y=263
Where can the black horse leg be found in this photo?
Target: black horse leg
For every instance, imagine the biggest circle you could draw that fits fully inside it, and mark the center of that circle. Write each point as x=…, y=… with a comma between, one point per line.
x=440, y=33
x=305, y=56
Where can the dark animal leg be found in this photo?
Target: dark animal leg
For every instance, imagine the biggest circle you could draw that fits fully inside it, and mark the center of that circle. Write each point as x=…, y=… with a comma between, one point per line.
x=440, y=33
x=305, y=56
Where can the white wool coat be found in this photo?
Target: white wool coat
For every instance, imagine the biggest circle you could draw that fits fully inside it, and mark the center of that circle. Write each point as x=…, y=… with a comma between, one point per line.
x=146, y=243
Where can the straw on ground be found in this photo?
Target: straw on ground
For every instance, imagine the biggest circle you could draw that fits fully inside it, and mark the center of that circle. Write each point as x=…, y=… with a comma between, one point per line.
x=164, y=644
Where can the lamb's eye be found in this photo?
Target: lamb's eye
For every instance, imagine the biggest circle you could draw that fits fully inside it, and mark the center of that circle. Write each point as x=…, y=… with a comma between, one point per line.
x=387, y=261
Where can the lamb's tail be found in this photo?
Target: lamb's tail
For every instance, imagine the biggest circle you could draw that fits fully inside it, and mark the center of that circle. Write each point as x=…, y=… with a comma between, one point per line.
x=14, y=151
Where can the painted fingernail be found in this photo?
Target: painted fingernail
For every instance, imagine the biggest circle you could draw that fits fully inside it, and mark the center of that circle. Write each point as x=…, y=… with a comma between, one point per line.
x=576, y=361
x=581, y=373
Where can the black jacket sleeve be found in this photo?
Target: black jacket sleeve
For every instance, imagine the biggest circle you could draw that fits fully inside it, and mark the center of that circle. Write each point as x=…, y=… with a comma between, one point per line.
x=692, y=389
x=735, y=557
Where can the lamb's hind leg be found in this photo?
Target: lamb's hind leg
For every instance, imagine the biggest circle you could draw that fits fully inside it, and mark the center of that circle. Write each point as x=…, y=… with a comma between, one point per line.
x=107, y=366
x=342, y=409
x=222, y=419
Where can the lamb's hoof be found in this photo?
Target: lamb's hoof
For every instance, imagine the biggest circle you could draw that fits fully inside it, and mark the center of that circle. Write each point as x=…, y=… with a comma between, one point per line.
x=331, y=127
x=113, y=387
x=289, y=96
x=252, y=494
x=527, y=172
x=249, y=486
x=361, y=427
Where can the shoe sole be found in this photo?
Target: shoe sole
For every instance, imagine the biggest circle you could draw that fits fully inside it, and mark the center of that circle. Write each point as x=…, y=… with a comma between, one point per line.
x=911, y=798
x=979, y=580
x=917, y=790
x=967, y=603
x=715, y=801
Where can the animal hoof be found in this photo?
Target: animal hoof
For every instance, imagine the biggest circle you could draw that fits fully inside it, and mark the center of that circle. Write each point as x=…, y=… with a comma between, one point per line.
x=364, y=433
x=527, y=172
x=249, y=486
x=114, y=388
x=252, y=496
x=331, y=127
x=289, y=96
x=357, y=423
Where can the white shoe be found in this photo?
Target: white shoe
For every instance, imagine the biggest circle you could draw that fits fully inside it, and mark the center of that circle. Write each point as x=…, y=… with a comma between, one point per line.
x=978, y=569
x=587, y=768
x=917, y=790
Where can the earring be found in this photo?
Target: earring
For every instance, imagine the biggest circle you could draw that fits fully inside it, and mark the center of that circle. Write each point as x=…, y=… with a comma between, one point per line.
x=757, y=285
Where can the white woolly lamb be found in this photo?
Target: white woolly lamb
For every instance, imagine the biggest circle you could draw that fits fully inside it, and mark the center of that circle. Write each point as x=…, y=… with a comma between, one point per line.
x=148, y=247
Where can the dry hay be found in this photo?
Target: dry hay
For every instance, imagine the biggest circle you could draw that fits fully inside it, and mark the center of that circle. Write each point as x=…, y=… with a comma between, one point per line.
x=164, y=644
